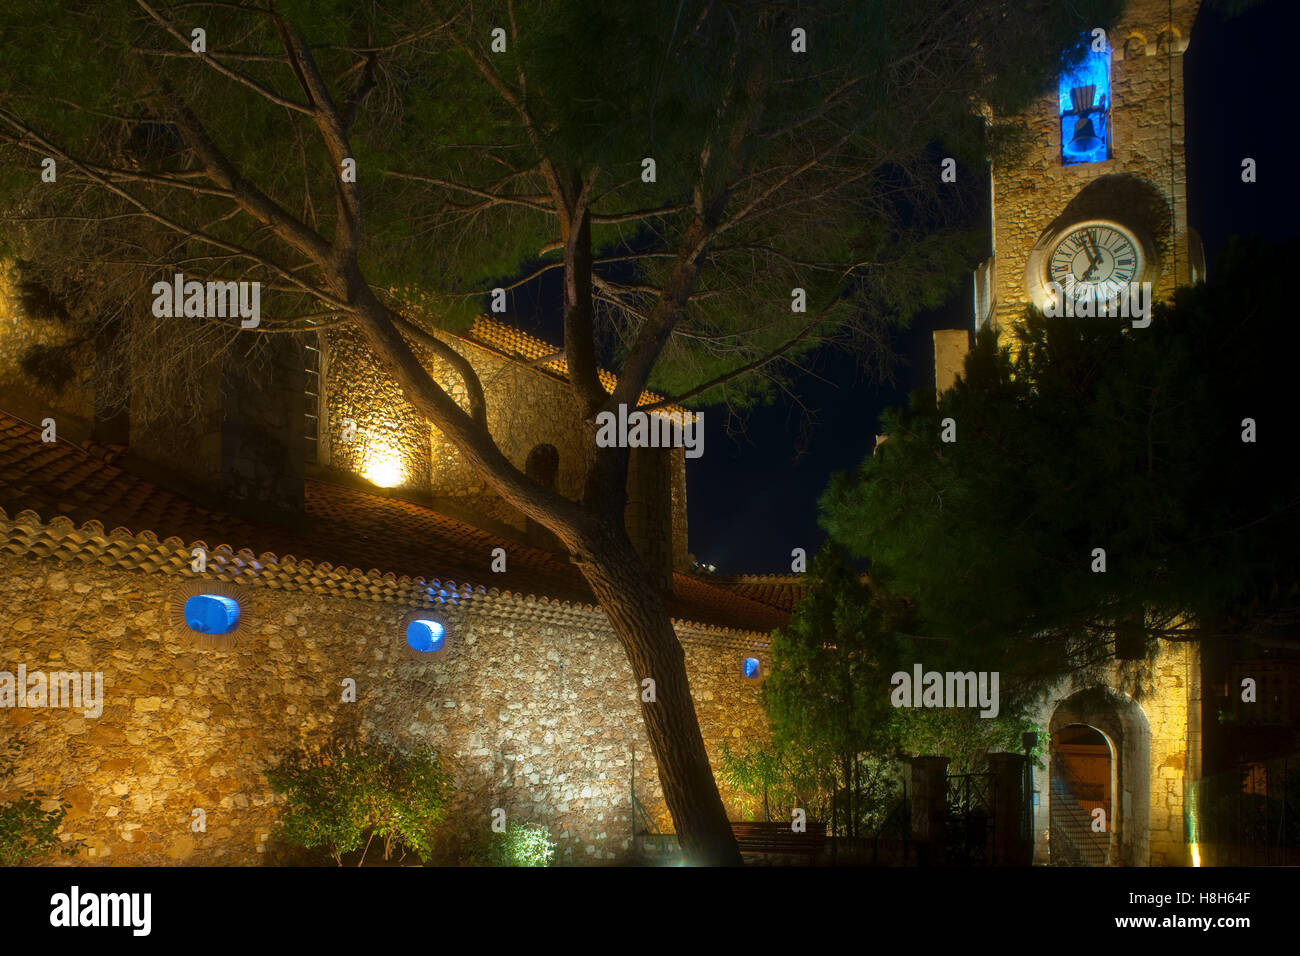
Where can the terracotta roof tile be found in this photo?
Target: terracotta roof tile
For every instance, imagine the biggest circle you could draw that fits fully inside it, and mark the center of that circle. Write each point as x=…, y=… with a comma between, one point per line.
x=60, y=498
x=520, y=345
x=781, y=591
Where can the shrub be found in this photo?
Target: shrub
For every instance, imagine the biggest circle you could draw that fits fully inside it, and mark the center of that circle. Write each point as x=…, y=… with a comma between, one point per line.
x=347, y=792
x=25, y=829
x=522, y=844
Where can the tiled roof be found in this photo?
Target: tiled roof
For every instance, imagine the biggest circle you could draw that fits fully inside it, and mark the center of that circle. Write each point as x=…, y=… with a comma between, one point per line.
x=520, y=345
x=780, y=591
x=58, y=499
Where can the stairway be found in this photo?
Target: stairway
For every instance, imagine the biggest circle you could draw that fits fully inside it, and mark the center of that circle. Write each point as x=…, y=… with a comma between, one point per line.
x=1072, y=841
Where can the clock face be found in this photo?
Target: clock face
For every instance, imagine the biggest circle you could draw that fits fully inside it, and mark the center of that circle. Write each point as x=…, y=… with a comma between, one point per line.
x=1097, y=259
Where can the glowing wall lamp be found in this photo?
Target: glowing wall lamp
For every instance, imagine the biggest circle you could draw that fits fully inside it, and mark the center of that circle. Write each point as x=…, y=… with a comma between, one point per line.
x=751, y=667
x=424, y=633
x=211, y=614
x=383, y=464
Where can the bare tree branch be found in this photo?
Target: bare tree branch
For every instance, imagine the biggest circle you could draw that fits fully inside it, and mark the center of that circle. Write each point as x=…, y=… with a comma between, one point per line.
x=766, y=359
x=221, y=68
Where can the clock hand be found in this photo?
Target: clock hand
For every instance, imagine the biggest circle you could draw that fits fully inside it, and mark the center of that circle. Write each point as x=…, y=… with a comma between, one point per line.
x=1094, y=255
x=1093, y=239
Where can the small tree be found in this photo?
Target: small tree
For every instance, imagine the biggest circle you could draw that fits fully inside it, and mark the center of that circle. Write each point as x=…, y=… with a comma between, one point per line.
x=774, y=780
x=829, y=696
x=963, y=736
x=1107, y=483
x=827, y=689
x=347, y=792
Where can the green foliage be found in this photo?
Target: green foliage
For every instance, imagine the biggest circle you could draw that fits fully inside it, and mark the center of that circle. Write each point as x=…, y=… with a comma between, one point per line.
x=1096, y=435
x=458, y=179
x=828, y=696
x=822, y=685
x=522, y=844
x=960, y=734
x=27, y=831
x=776, y=779
x=348, y=792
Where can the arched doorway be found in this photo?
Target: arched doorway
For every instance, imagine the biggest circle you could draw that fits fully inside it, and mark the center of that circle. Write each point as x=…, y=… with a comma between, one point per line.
x=1082, y=796
x=1123, y=726
x=543, y=466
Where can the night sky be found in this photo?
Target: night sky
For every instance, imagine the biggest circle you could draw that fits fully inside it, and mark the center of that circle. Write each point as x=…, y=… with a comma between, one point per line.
x=752, y=497
x=751, y=502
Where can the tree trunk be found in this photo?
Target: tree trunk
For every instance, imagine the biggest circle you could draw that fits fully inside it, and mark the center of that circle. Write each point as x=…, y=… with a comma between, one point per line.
x=618, y=578
x=637, y=613
x=848, y=795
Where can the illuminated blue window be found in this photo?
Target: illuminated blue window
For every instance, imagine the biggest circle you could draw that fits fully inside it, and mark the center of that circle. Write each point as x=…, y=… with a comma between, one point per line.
x=751, y=666
x=425, y=636
x=211, y=614
x=1084, y=105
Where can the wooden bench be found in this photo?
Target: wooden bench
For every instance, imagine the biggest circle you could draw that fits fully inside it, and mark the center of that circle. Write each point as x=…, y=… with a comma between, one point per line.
x=754, y=836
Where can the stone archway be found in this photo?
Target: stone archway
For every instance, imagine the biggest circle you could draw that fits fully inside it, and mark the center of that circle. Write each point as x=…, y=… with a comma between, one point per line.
x=1082, y=787
x=1124, y=727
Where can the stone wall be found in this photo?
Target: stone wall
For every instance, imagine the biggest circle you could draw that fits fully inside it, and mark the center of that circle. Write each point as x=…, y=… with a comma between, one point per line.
x=390, y=445
x=526, y=408
x=185, y=443
x=537, y=718
x=262, y=431
x=950, y=348
x=1176, y=680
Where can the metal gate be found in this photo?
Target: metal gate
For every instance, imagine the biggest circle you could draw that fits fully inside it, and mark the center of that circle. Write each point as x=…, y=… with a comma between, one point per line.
x=969, y=827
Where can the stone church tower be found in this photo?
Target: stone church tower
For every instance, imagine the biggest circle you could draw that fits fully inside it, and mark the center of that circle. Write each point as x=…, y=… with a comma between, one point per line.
x=1113, y=160
x=1106, y=171
x=1098, y=201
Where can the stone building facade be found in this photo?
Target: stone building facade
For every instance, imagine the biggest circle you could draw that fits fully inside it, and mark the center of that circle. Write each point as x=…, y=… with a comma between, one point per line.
x=533, y=706
x=371, y=430
x=1142, y=187
x=331, y=512
x=1147, y=713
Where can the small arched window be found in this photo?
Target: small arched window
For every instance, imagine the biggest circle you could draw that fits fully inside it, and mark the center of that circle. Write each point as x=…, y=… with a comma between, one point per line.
x=1083, y=100
x=423, y=633
x=543, y=465
x=751, y=667
x=208, y=614
x=1135, y=46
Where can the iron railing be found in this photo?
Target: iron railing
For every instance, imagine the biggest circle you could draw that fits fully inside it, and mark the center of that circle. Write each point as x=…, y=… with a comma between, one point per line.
x=1073, y=842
